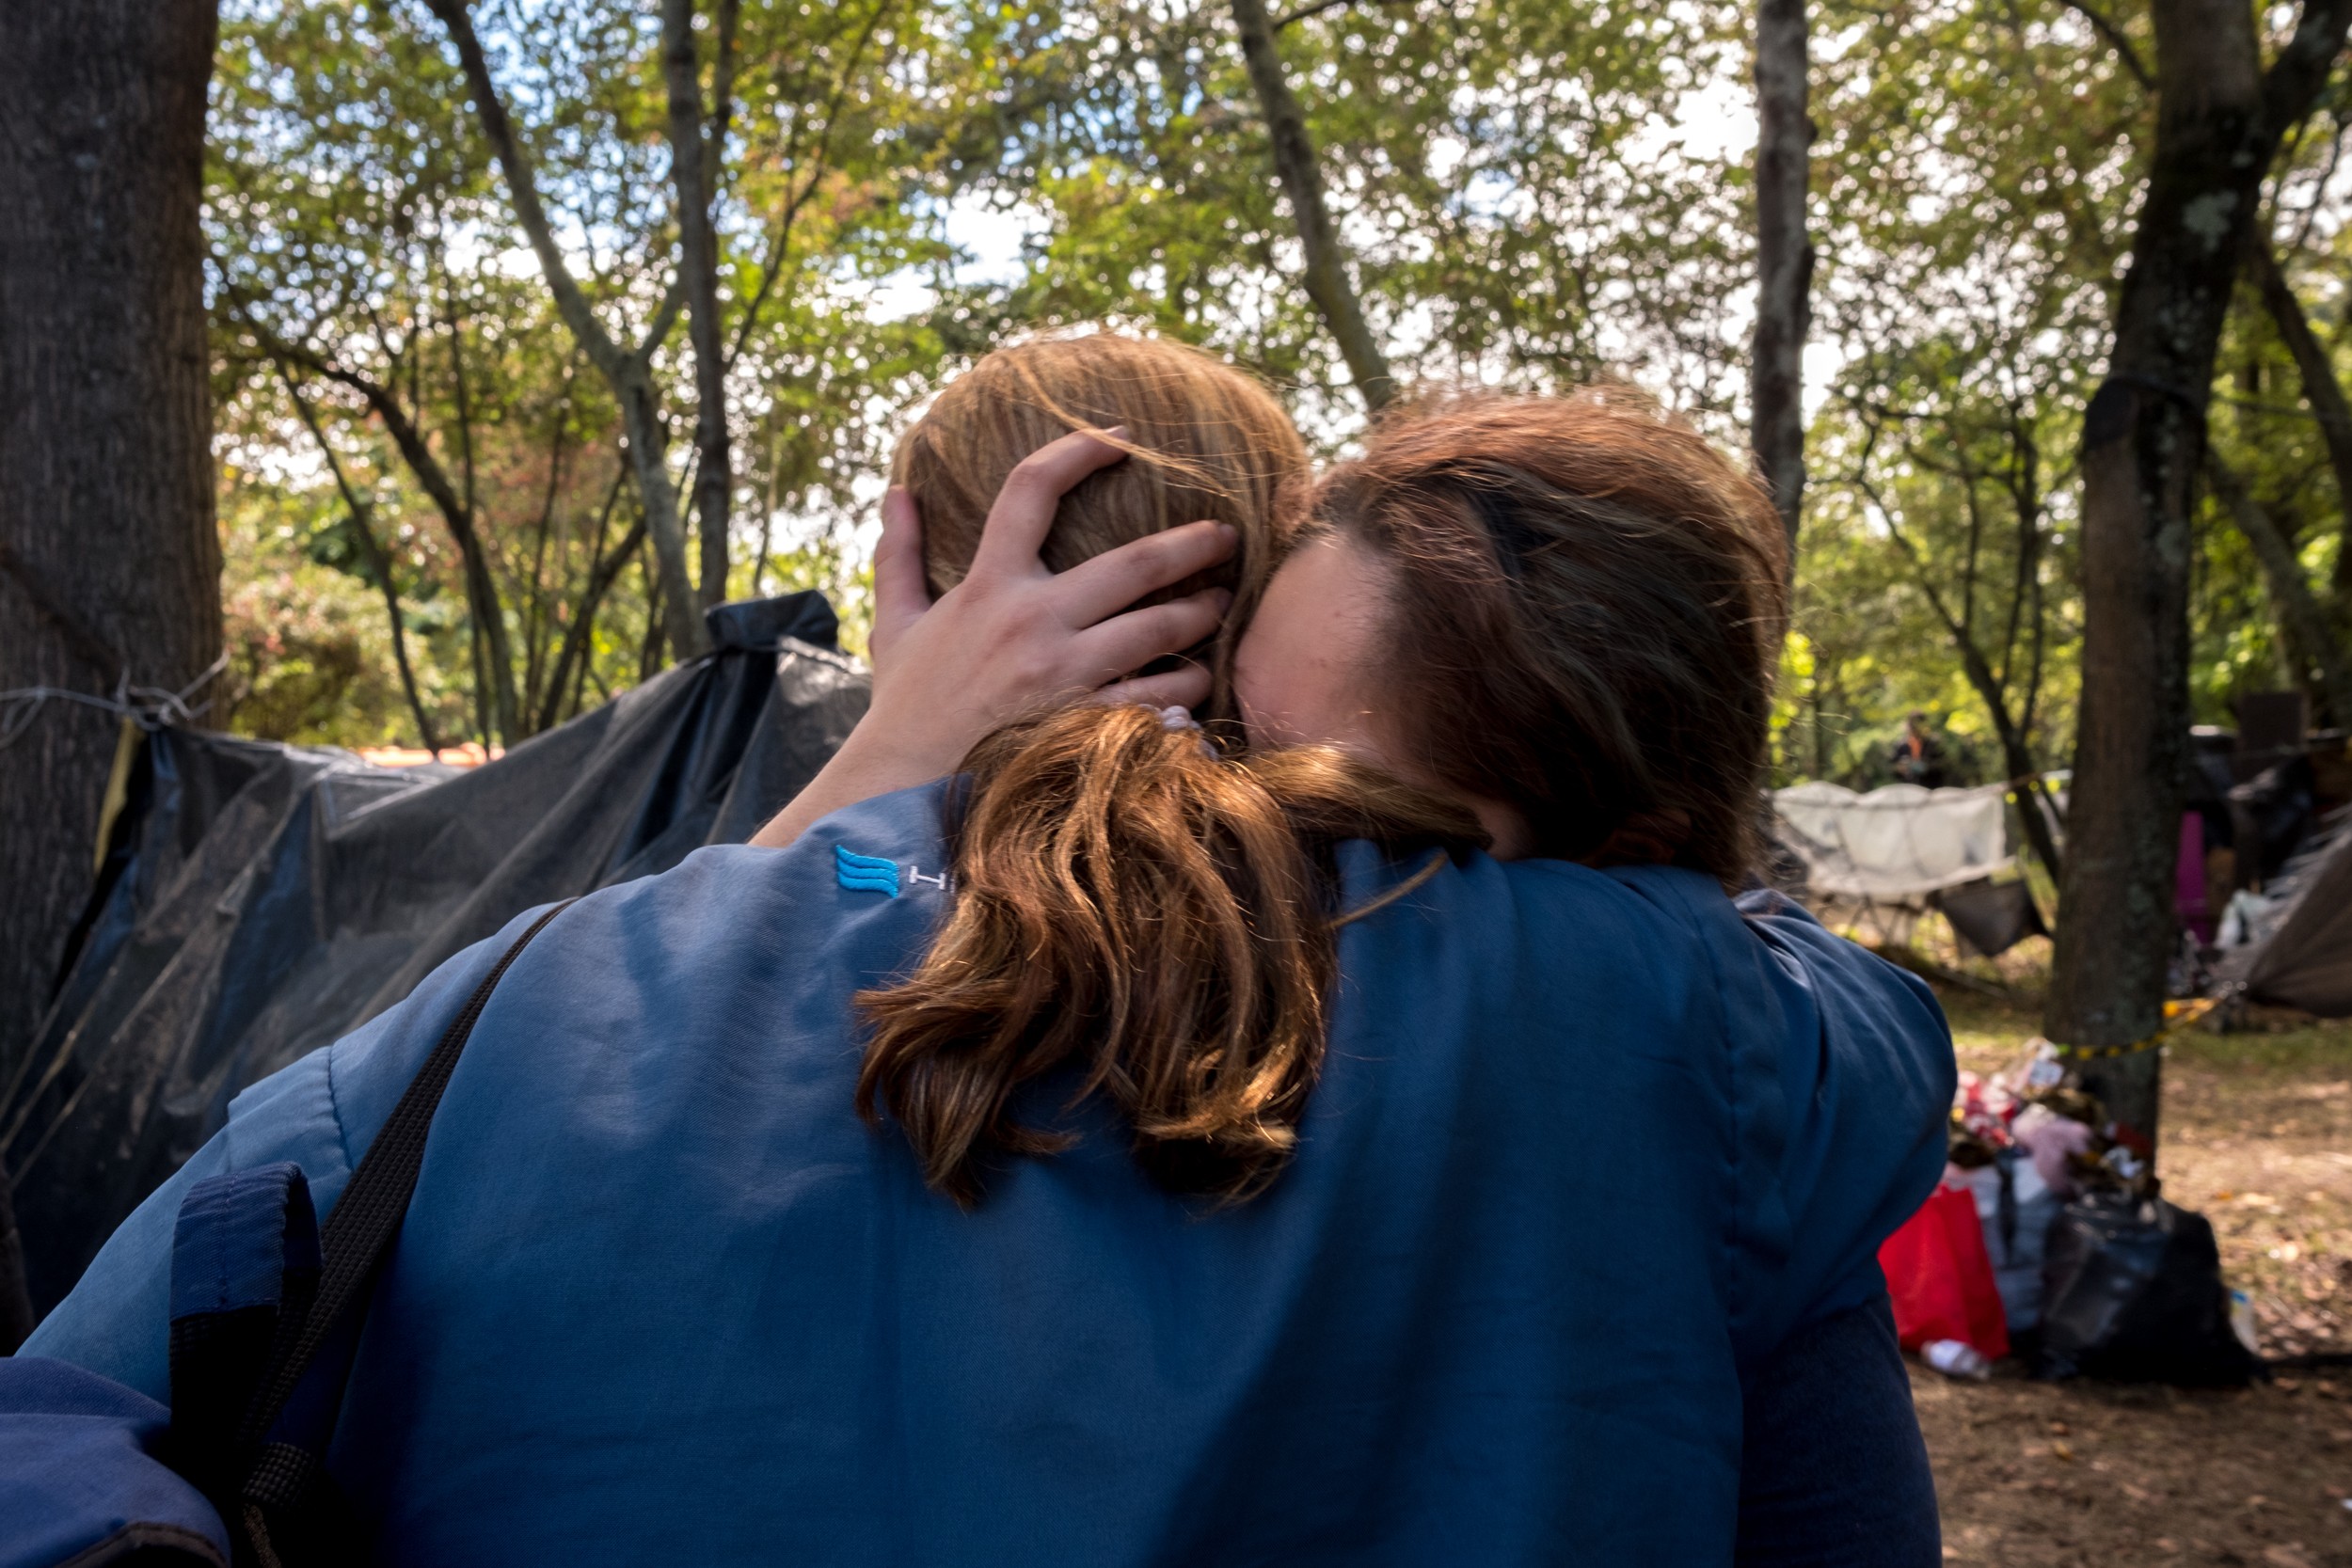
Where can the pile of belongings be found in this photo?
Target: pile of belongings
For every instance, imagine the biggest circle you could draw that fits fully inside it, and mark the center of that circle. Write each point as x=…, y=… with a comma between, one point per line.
x=1875, y=863
x=2049, y=1236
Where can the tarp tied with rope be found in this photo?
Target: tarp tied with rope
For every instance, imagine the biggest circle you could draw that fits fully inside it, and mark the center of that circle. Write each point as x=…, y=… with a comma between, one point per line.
x=257, y=902
x=149, y=706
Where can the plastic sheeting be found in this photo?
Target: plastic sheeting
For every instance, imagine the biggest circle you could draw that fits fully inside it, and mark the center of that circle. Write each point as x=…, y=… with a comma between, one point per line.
x=1992, y=917
x=1897, y=842
x=2299, y=951
x=259, y=900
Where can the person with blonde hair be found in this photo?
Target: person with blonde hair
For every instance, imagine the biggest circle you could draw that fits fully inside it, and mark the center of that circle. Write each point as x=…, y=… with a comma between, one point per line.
x=1363, y=1130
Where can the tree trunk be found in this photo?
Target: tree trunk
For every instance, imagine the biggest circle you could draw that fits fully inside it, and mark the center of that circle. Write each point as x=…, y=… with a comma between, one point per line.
x=109, y=564
x=2218, y=122
x=1784, y=256
x=1294, y=164
x=690, y=170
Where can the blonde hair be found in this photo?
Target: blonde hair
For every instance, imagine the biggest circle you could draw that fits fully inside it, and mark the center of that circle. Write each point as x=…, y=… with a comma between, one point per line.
x=1206, y=441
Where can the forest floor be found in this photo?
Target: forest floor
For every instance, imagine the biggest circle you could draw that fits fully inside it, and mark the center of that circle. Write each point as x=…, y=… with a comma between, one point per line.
x=2258, y=1137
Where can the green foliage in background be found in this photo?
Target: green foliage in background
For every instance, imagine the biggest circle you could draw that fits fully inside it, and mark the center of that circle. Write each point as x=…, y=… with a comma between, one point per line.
x=1534, y=193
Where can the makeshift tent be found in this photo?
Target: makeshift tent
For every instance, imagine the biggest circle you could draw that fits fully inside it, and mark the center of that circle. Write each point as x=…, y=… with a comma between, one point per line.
x=2298, y=951
x=1879, y=861
x=1895, y=843
x=258, y=900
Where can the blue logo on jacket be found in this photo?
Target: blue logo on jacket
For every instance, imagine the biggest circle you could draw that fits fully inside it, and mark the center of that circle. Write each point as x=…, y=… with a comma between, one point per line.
x=864, y=873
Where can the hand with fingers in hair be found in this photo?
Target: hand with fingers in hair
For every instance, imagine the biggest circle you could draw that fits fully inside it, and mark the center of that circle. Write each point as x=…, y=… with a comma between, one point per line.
x=1012, y=637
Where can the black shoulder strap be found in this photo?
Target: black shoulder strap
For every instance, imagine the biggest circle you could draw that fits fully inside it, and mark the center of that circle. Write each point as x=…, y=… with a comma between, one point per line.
x=360, y=1234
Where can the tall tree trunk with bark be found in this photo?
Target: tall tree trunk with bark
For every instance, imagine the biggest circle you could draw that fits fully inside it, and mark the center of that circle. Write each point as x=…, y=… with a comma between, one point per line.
x=2218, y=121
x=1328, y=282
x=1784, y=256
x=109, y=564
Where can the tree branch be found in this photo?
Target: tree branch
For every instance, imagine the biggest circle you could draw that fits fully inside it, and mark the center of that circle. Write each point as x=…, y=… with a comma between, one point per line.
x=779, y=243
x=1305, y=13
x=491, y=109
x=630, y=373
x=482, y=593
x=2299, y=607
x=600, y=579
x=380, y=558
x=1327, y=281
x=2321, y=389
x=2301, y=69
x=2116, y=40
x=2016, y=749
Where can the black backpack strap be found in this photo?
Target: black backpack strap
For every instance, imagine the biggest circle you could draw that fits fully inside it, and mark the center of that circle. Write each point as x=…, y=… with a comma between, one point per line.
x=245, y=1269
x=283, y=1495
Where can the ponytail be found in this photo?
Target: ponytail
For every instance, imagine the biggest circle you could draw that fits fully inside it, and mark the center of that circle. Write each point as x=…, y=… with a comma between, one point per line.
x=1136, y=906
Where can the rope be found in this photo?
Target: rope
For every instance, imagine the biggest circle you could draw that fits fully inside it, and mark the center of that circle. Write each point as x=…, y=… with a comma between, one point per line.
x=2189, y=1013
x=150, y=708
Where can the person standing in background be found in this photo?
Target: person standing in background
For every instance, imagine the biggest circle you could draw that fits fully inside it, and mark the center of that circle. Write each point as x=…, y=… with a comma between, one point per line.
x=1918, y=756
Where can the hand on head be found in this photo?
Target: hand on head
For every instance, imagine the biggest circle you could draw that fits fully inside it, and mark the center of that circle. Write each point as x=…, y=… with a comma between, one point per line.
x=1013, y=638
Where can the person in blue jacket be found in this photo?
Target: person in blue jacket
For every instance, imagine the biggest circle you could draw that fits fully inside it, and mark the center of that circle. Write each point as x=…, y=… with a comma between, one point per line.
x=1452, y=1207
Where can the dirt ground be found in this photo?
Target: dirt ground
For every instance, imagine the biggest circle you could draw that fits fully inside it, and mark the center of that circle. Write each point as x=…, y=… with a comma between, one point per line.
x=2258, y=1137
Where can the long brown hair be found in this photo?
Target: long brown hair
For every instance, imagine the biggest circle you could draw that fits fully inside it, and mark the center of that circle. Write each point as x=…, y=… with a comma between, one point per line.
x=1584, y=604
x=1159, y=916
x=1587, y=602
x=1204, y=441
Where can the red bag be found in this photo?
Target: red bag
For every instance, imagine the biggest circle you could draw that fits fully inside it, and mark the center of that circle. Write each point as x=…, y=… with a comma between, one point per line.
x=1941, y=1278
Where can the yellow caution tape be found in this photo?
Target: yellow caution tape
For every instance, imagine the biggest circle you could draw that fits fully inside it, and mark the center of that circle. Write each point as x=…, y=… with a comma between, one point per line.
x=2177, y=1017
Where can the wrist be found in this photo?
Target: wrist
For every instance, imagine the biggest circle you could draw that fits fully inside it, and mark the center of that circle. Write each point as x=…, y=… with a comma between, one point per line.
x=884, y=751
x=870, y=763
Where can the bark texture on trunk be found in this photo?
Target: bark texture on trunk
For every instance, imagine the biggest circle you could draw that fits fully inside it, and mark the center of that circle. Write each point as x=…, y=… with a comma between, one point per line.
x=1784, y=256
x=1328, y=282
x=2218, y=122
x=692, y=168
x=109, y=564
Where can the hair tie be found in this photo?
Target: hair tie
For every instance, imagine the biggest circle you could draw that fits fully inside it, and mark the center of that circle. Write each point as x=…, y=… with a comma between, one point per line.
x=1178, y=719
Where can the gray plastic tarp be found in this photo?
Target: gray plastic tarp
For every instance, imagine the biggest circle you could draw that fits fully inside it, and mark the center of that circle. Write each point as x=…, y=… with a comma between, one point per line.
x=2301, y=951
x=258, y=900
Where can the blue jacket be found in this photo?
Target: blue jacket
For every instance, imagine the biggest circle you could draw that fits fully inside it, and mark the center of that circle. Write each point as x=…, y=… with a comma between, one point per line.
x=1587, y=1145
